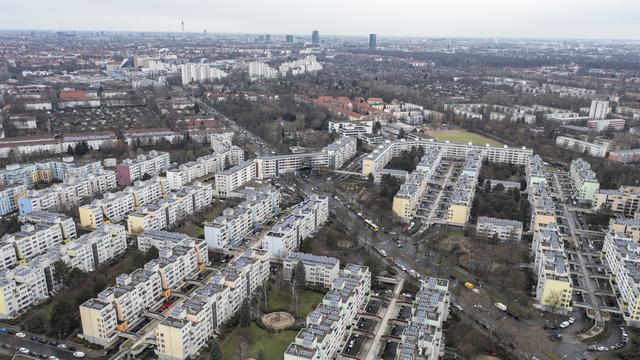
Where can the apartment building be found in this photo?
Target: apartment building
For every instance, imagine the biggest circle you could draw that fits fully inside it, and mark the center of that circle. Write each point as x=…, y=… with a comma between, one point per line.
x=167, y=240
x=185, y=331
x=205, y=165
x=69, y=193
x=304, y=219
x=502, y=229
x=554, y=287
x=334, y=156
x=41, y=231
x=199, y=73
x=464, y=190
x=376, y=161
x=166, y=212
x=120, y=306
x=326, y=326
x=114, y=207
x=32, y=282
x=27, y=284
x=581, y=146
x=584, y=180
x=229, y=180
x=543, y=210
x=150, y=164
x=629, y=227
x=622, y=256
x=9, y=197
x=318, y=270
x=625, y=156
x=192, y=322
x=535, y=172
x=235, y=223
x=422, y=338
x=623, y=202
x=407, y=199
x=97, y=247
x=18, y=174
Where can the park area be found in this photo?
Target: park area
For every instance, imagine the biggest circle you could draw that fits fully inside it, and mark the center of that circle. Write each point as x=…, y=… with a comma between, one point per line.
x=247, y=342
x=460, y=136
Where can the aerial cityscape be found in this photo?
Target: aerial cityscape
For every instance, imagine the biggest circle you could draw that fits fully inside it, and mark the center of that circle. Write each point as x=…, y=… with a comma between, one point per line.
x=226, y=185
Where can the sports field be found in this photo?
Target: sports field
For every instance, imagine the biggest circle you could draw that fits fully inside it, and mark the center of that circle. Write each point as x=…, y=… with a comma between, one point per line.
x=460, y=136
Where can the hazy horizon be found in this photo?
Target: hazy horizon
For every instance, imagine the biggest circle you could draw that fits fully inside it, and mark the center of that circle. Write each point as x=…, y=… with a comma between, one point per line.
x=548, y=19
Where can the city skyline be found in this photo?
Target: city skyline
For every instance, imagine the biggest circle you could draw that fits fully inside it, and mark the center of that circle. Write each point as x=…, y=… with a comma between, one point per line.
x=591, y=19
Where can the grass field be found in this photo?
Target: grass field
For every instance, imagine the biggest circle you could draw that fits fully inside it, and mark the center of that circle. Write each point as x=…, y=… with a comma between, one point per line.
x=460, y=136
x=273, y=345
x=308, y=301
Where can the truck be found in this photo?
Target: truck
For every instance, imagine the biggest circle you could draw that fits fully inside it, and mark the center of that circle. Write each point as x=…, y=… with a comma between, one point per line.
x=501, y=306
x=468, y=285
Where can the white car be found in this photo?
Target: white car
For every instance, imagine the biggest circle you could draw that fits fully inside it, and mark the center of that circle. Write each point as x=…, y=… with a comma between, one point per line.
x=21, y=335
x=62, y=346
x=24, y=350
x=564, y=324
x=571, y=320
x=78, y=354
x=457, y=307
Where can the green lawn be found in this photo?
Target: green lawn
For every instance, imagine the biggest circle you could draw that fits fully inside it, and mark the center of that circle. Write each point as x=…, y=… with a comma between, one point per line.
x=273, y=345
x=308, y=301
x=461, y=136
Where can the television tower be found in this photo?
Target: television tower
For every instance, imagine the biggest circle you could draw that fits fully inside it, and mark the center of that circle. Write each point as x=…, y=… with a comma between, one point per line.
x=182, y=22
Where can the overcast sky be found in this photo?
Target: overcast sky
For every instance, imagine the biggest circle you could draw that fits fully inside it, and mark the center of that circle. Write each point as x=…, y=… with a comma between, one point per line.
x=615, y=19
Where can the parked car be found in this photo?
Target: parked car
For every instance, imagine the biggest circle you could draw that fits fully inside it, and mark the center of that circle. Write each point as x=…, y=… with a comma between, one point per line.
x=20, y=335
x=564, y=324
x=571, y=320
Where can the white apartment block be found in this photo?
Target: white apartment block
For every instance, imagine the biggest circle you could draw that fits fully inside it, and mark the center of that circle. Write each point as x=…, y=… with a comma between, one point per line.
x=205, y=165
x=235, y=223
x=150, y=164
x=599, y=109
x=304, y=219
x=229, y=180
x=622, y=256
x=199, y=73
x=334, y=156
x=318, y=270
x=162, y=240
x=192, y=322
x=423, y=338
x=376, y=161
x=9, y=198
x=69, y=193
x=503, y=229
x=535, y=172
x=41, y=232
x=95, y=248
x=584, y=180
x=581, y=146
x=326, y=326
x=120, y=306
x=112, y=208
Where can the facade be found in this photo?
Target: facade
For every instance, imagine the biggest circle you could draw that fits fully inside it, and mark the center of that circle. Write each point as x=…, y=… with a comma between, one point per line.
x=229, y=180
x=554, y=288
x=629, y=227
x=199, y=73
x=584, y=180
x=372, y=42
x=326, y=326
x=235, y=223
x=150, y=164
x=625, y=156
x=9, y=198
x=119, y=306
x=318, y=270
x=332, y=156
x=606, y=124
x=205, y=165
x=464, y=190
x=599, y=109
x=503, y=229
x=304, y=219
x=622, y=256
x=624, y=201
x=69, y=193
x=581, y=146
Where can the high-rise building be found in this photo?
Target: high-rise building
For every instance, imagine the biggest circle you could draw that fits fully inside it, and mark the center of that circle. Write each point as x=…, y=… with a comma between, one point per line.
x=599, y=109
x=289, y=38
x=315, y=37
x=372, y=42
x=267, y=38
